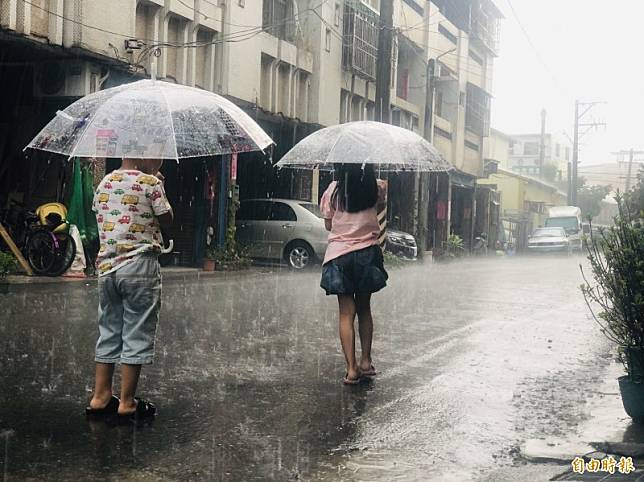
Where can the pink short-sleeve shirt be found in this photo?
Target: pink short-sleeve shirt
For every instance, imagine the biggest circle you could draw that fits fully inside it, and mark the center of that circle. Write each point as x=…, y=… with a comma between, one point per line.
x=350, y=231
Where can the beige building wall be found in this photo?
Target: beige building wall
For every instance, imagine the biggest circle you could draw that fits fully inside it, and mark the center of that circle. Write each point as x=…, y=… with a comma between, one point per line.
x=300, y=77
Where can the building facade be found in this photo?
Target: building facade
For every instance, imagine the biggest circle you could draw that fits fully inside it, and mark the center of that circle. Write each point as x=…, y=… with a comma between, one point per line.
x=525, y=155
x=294, y=65
x=524, y=203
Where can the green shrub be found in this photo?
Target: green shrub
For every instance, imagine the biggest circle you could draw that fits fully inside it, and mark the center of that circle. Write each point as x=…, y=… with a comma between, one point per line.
x=229, y=259
x=7, y=264
x=454, y=246
x=615, y=295
x=391, y=260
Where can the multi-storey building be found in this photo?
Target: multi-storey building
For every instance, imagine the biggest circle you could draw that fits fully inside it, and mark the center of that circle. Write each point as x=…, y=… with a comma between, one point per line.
x=525, y=155
x=294, y=65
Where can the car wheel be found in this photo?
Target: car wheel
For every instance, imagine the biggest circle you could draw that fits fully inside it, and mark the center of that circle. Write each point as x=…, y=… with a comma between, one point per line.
x=299, y=255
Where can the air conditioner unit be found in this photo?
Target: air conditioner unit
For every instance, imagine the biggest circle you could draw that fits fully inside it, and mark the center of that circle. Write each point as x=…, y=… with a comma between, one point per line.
x=66, y=79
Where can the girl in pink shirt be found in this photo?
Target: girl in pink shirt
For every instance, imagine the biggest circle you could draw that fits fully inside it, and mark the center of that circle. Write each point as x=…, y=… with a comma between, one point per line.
x=353, y=266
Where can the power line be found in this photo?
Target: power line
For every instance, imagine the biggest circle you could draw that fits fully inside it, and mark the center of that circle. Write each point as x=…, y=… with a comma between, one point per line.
x=531, y=43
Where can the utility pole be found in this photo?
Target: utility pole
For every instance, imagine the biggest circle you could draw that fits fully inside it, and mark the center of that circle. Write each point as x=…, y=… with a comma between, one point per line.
x=630, y=170
x=542, y=144
x=429, y=100
x=631, y=153
x=581, y=109
x=383, y=62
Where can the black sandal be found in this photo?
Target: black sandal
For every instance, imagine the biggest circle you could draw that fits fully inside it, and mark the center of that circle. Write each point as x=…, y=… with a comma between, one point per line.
x=144, y=410
x=111, y=408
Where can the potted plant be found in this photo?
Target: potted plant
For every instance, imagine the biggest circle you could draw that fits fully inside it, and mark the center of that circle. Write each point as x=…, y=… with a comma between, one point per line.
x=209, y=259
x=230, y=259
x=615, y=297
x=454, y=247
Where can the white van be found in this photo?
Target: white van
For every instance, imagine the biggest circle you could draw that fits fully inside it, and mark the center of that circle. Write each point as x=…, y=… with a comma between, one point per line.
x=569, y=218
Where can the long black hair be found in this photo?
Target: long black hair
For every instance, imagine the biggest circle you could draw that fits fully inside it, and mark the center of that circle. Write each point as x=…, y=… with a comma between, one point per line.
x=356, y=189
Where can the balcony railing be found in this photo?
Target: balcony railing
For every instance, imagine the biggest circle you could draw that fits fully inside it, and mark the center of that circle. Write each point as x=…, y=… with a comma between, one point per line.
x=360, y=48
x=485, y=30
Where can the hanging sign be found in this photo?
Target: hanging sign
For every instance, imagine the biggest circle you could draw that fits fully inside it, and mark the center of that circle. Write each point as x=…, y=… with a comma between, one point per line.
x=233, y=166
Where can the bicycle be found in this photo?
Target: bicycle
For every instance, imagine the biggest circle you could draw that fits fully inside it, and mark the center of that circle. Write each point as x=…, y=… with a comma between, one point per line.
x=42, y=237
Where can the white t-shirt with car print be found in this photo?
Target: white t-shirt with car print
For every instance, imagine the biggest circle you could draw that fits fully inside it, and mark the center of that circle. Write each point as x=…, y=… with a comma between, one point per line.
x=127, y=204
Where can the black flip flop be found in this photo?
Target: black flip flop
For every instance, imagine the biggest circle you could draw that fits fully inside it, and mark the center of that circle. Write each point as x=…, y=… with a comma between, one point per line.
x=370, y=373
x=145, y=410
x=351, y=381
x=111, y=408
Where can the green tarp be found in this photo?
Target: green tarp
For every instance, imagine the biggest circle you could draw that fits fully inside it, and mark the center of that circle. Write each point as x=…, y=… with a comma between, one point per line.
x=80, y=204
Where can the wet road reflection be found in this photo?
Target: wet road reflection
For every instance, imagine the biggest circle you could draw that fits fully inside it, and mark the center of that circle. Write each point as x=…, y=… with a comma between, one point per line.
x=472, y=359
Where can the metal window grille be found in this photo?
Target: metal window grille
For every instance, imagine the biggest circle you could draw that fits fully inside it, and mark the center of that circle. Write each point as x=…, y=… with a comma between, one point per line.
x=278, y=19
x=477, y=110
x=360, y=49
x=485, y=29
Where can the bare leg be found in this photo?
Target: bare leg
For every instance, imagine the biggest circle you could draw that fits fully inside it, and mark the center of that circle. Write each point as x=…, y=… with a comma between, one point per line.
x=365, y=328
x=102, y=385
x=129, y=380
x=347, y=334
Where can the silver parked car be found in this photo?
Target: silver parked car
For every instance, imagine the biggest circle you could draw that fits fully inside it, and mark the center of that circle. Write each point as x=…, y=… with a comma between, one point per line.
x=282, y=229
x=549, y=240
x=293, y=231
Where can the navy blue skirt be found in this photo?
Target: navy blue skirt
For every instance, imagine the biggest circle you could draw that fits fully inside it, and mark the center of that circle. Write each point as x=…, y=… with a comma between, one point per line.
x=358, y=272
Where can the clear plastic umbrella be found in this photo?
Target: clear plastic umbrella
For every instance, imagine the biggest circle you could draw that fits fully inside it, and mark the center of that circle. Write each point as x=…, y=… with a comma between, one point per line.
x=151, y=119
x=388, y=147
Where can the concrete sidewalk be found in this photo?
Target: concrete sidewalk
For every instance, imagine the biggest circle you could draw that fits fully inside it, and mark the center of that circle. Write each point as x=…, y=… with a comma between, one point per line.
x=608, y=432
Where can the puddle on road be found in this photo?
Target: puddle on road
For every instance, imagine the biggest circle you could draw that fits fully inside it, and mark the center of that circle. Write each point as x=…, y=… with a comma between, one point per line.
x=247, y=378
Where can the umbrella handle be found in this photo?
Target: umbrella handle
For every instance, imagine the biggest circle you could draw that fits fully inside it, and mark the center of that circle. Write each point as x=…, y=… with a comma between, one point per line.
x=169, y=248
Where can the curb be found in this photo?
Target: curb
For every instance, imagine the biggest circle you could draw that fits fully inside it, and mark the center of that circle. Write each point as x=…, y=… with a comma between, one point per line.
x=18, y=282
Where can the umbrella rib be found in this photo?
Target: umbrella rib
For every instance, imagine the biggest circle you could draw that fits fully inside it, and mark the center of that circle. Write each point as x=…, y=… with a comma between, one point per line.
x=174, y=134
x=337, y=139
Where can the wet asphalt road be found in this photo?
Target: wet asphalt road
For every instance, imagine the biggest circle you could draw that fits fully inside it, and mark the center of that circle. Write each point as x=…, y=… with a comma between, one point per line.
x=474, y=358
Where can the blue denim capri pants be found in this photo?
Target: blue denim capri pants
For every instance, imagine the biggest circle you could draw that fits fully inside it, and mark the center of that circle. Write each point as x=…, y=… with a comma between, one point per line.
x=128, y=312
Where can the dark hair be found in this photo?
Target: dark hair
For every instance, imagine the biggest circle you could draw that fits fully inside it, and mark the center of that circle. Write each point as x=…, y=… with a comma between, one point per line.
x=356, y=189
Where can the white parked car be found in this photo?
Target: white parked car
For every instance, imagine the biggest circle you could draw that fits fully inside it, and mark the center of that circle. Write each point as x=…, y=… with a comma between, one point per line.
x=549, y=240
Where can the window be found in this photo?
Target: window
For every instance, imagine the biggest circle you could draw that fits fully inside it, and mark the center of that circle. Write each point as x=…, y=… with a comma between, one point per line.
x=277, y=19
x=471, y=145
x=396, y=118
x=282, y=212
x=457, y=12
x=312, y=208
x=254, y=211
x=447, y=34
x=203, y=69
x=413, y=4
x=557, y=150
x=374, y=4
x=438, y=104
x=338, y=15
x=360, y=46
x=567, y=153
x=476, y=58
x=440, y=132
x=402, y=84
x=477, y=110
x=530, y=148
x=327, y=40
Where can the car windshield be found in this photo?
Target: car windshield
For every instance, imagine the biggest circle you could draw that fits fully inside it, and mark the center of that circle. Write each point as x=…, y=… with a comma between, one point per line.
x=570, y=224
x=313, y=208
x=548, y=232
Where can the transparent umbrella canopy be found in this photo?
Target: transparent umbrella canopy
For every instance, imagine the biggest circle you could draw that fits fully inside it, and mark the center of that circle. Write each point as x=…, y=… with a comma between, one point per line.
x=387, y=147
x=151, y=119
